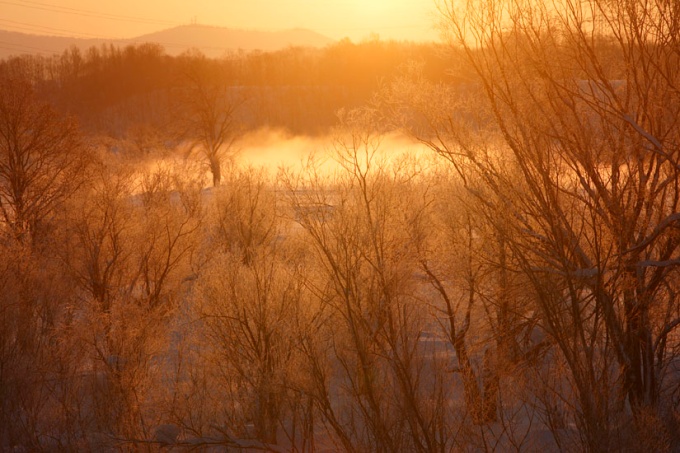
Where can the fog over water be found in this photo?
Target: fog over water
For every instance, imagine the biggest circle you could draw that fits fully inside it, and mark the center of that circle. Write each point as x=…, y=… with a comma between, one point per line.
x=276, y=149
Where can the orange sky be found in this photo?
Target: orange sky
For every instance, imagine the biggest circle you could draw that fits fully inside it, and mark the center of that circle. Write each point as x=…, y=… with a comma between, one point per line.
x=356, y=19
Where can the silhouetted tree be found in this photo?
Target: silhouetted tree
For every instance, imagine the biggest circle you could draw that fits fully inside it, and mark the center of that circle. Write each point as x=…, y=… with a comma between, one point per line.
x=42, y=157
x=210, y=112
x=577, y=162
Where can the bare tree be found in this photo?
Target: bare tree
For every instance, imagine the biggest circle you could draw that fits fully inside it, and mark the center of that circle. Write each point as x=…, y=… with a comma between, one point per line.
x=41, y=157
x=375, y=384
x=128, y=246
x=247, y=304
x=210, y=110
x=577, y=161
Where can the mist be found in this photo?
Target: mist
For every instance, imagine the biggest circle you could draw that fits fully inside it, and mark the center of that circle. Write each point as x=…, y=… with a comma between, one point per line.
x=273, y=150
x=373, y=247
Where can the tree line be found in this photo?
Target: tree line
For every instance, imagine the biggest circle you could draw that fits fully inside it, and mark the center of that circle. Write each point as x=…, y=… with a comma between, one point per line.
x=112, y=90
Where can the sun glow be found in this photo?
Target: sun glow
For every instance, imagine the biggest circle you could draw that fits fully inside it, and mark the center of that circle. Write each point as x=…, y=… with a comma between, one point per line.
x=375, y=9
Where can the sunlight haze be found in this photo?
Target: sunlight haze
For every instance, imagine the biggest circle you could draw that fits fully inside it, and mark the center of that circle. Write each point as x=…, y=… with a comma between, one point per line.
x=356, y=19
x=340, y=226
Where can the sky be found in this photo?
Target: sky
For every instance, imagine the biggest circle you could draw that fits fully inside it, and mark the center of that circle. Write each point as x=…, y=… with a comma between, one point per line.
x=356, y=19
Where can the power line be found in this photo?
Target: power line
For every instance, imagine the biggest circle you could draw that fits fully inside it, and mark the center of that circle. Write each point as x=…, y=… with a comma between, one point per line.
x=85, y=13
x=77, y=11
x=40, y=28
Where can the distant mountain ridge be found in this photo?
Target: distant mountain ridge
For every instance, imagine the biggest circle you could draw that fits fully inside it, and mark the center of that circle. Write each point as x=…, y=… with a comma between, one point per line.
x=220, y=39
x=212, y=41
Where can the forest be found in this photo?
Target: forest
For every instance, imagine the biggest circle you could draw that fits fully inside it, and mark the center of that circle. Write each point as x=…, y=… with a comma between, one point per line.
x=506, y=282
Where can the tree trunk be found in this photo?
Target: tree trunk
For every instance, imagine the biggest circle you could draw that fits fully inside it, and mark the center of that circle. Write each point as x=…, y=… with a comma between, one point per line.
x=490, y=385
x=216, y=170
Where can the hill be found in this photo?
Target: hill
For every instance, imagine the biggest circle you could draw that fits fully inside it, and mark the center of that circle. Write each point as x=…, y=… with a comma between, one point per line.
x=16, y=43
x=213, y=41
